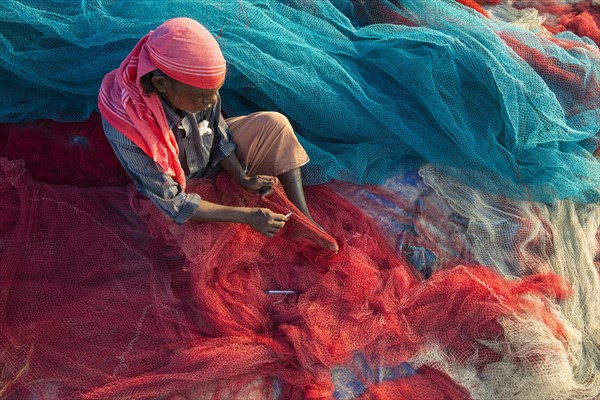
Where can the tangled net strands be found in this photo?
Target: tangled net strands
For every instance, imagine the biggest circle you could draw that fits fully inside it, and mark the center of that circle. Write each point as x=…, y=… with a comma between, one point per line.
x=488, y=118
x=581, y=18
x=155, y=310
x=467, y=223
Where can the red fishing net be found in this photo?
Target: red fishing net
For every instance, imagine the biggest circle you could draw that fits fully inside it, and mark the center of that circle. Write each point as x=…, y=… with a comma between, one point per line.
x=74, y=153
x=103, y=297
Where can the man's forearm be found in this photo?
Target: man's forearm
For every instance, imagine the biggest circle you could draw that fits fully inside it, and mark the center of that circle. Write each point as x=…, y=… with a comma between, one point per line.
x=261, y=220
x=211, y=212
x=232, y=165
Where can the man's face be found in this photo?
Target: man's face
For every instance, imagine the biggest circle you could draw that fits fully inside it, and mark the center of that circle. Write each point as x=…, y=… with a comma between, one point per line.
x=185, y=97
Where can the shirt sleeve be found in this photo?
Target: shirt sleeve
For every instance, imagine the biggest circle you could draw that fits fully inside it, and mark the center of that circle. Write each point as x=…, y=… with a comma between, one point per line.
x=224, y=144
x=159, y=187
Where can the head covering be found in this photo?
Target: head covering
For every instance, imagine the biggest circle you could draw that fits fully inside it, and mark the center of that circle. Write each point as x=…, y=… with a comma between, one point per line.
x=185, y=51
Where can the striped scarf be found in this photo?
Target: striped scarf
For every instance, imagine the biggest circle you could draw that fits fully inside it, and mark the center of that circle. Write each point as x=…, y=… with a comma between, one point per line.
x=185, y=51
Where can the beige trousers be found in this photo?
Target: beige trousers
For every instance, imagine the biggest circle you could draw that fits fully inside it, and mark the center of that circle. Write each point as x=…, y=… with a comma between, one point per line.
x=267, y=144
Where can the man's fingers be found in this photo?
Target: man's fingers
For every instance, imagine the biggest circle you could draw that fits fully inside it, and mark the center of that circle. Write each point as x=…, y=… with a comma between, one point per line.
x=274, y=227
x=262, y=184
x=266, y=182
x=278, y=224
x=266, y=178
x=280, y=217
x=273, y=232
x=270, y=222
x=266, y=190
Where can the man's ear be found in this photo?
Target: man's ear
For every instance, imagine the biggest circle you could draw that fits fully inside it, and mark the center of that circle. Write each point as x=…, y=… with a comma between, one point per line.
x=160, y=83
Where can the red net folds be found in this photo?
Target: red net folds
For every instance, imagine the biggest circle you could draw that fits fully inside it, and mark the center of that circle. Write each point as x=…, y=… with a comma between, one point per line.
x=103, y=297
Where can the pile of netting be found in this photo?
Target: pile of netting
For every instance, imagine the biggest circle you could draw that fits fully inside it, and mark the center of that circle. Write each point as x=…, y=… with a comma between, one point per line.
x=104, y=298
x=456, y=139
x=374, y=88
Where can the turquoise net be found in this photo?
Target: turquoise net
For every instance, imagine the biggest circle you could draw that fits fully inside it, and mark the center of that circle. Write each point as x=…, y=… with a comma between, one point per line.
x=373, y=88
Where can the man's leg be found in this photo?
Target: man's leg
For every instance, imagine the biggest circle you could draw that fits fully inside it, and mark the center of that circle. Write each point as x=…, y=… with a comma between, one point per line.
x=292, y=184
x=267, y=145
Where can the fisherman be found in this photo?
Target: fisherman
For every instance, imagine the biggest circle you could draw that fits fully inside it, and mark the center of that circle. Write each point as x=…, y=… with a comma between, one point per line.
x=161, y=113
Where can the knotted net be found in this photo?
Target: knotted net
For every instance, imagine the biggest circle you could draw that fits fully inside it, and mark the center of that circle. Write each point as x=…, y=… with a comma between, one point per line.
x=468, y=254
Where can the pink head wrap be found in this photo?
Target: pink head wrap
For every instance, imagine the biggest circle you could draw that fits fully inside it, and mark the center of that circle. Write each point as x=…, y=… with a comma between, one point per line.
x=182, y=49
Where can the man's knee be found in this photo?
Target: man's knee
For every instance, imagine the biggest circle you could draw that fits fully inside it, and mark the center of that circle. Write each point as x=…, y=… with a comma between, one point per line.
x=275, y=120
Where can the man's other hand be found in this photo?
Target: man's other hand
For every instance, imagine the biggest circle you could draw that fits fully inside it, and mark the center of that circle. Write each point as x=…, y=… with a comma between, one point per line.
x=266, y=221
x=260, y=184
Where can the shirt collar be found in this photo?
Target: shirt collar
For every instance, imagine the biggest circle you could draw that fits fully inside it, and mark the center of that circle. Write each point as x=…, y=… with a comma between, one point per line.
x=172, y=118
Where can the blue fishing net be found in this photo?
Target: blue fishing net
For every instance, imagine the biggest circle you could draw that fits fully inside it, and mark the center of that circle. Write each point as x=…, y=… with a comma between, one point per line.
x=373, y=88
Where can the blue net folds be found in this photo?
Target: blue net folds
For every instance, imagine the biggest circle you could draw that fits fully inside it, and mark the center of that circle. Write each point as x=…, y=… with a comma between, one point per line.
x=373, y=88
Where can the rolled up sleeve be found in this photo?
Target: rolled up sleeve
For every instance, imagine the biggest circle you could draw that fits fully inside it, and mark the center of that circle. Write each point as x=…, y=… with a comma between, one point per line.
x=149, y=180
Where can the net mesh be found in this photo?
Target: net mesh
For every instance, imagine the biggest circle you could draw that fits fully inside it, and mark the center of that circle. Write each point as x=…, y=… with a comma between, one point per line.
x=160, y=310
x=521, y=238
x=373, y=88
x=468, y=255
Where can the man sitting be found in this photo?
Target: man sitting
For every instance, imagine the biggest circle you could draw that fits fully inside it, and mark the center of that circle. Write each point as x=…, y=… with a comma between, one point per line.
x=161, y=112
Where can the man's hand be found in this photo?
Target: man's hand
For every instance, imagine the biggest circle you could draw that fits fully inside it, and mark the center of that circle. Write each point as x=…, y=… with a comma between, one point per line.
x=260, y=184
x=266, y=221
